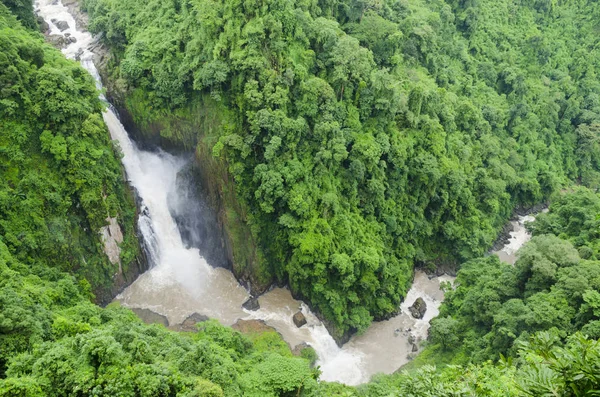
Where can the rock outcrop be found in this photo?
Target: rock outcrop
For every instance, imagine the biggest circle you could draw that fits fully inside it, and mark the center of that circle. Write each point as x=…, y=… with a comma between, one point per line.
x=189, y=324
x=57, y=40
x=61, y=25
x=297, y=350
x=70, y=39
x=150, y=317
x=44, y=27
x=251, y=304
x=252, y=326
x=111, y=235
x=299, y=319
x=418, y=308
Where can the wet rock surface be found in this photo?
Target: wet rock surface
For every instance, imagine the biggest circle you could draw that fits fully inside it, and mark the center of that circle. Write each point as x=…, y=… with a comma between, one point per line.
x=297, y=350
x=252, y=326
x=197, y=220
x=70, y=39
x=299, y=319
x=523, y=210
x=418, y=308
x=81, y=18
x=503, y=237
x=61, y=25
x=57, y=40
x=44, y=27
x=189, y=324
x=251, y=304
x=150, y=317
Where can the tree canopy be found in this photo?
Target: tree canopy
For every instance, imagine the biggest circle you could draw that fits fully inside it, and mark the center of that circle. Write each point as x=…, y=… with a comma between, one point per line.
x=60, y=175
x=364, y=137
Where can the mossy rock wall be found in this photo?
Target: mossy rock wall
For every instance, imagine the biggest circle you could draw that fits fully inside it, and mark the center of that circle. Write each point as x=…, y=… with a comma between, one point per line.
x=196, y=128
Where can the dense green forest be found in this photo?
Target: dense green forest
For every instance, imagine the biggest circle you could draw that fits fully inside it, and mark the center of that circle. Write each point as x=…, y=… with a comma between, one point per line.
x=60, y=176
x=365, y=137
x=554, y=285
x=353, y=181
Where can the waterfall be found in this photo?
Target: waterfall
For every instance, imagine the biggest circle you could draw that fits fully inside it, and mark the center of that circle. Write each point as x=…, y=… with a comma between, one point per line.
x=181, y=282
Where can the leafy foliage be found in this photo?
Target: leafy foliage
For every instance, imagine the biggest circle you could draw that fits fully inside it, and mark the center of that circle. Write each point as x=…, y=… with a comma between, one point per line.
x=57, y=160
x=496, y=306
x=23, y=11
x=366, y=136
x=60, y=176
x=574, y=217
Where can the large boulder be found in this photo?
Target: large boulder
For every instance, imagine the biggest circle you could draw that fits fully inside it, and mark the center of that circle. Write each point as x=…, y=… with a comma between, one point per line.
x=189, y=324
x=57, y=40
x=418, y=308
x=299, y=319
x=61, y=25
x=150, y=317
x=297, y=350
x=251, y=304
x=43, y=24
x=78, y=54
x=307, y=351
x=70, y=39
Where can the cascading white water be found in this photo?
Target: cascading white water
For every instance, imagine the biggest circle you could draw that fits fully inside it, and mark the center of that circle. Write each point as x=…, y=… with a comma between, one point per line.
x=518, y=237
x=181, y=282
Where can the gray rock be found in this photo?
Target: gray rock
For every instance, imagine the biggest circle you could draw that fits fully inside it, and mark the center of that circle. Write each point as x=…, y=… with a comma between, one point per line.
x=297, y=351
x=57, y=40
x=307, y=351
x=150, y=317
x=61, y=25
x=299, y=319
x=43, y=24
x=418, y=308
x=79, y=54
x=251, y=304
x=189, y=324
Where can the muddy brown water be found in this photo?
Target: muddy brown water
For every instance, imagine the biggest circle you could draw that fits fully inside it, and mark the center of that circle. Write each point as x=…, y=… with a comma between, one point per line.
x=181, y=281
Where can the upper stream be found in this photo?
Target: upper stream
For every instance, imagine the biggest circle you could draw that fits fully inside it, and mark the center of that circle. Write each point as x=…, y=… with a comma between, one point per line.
x=181, y=282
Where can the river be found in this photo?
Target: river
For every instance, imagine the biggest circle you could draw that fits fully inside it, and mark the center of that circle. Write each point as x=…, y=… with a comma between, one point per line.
x=181, y=282
x=518, y=237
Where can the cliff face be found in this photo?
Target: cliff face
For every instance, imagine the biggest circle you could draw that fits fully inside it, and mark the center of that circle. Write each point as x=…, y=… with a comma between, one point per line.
x=226, y=239
x=219, y=219
x=118, y=259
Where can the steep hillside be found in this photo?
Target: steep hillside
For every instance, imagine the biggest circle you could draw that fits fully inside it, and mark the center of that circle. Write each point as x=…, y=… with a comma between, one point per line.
x=60, y=177
x=61, y=180
x=353, y=140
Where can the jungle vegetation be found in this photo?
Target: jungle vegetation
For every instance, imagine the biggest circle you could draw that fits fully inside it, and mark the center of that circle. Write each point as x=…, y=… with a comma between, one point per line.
x=366, y=137
x=60, y=174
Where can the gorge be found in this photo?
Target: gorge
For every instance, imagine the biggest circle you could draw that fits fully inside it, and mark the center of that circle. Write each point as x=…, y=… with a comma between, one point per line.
x=272, y=198
x=180, y=282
